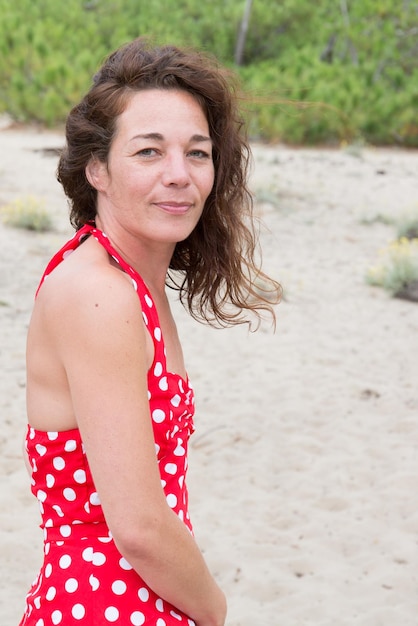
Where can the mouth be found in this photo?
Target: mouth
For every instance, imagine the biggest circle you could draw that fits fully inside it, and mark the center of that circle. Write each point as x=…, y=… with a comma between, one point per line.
x=174, y=207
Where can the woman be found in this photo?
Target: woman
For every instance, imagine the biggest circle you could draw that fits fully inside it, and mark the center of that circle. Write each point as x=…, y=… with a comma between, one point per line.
x=155, y=170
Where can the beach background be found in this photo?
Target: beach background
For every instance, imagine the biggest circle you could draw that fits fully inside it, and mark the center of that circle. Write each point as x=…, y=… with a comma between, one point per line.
x=304, y=468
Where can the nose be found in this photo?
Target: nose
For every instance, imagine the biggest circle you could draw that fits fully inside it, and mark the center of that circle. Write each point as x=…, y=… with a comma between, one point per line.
x=176, y=171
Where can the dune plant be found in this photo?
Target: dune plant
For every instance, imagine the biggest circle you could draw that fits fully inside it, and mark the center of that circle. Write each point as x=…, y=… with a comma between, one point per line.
x=28, y=213
x=408, y=227
x=397, y=271
x=324, y=72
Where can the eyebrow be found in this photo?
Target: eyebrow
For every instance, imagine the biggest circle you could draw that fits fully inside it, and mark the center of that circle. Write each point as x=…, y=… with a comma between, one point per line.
x=158, y=137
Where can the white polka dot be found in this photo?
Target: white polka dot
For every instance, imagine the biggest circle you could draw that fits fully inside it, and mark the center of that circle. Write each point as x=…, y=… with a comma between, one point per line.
x=179, y=451
x=40, y=449
x=175, y=400
x=163, y=383
x=160, y=622
x=111, y=614
x=171, y=500
x=143, y=594
x=158, y=369
x=137, y=618
x=94, y=499
x=52, y=435
x=94, y=583
x=58, y=510
x=58, y=463
x=78, y=611
x=41, y=495
x=65, y=530
x=175, y=615
x=50, y=480
x=56, y=617
x=158, y=416
x=71, y=585
x=157, y=333
x=40, y=622
x=51, y=593
x=159, y=605
x=31, y=433
x=180, y=514
x=69, y=494
x=80, y=476
x=37, y=602
x=65, y=561
x=98, y=558
x=70, y=445
x=171, y=468
x=145, y=318
x=87, y=555
x=48, y=570
x=133, y=281
x=119, y=587
x=124, y=564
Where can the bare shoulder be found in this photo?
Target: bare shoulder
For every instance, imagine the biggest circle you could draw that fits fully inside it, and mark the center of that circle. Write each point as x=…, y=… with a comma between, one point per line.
x=87, y=291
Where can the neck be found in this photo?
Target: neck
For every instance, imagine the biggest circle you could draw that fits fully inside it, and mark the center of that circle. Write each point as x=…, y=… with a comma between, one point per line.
x=150, y=260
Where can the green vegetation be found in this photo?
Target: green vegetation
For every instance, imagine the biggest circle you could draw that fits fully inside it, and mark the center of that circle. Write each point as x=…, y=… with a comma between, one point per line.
x=397, y=268
x=329, y=72
x=397, y=272
x=408, y=226
x=28, y=213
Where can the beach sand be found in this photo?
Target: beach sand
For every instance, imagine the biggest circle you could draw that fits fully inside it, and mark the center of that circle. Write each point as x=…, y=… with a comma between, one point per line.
x=304, y=467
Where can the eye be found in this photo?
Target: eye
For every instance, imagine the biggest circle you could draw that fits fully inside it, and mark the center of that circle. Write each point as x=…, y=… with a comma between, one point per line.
x=147, y=152
x=200, y=154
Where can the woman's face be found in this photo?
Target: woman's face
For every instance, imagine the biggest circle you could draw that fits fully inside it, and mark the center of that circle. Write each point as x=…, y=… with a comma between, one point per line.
x=160, y=169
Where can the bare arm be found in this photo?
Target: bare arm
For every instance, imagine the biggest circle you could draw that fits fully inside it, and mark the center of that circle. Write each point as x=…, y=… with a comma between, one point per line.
x=102, y=345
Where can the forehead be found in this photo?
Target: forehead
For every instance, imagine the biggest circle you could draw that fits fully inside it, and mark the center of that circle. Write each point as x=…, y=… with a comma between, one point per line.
x=149, y=108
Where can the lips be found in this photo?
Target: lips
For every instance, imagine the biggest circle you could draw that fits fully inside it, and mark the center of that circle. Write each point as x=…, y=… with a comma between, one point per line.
x=175, y=208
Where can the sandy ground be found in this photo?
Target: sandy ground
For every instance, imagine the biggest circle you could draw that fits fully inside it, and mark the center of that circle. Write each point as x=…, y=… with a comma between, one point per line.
x=304, y=467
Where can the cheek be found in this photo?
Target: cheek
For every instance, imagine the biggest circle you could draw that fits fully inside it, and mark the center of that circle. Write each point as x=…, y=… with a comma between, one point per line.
x=209, y=183
x=134, y=183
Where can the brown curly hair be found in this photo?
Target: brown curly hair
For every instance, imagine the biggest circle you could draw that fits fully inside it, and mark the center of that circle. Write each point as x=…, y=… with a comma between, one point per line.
x=214, y=269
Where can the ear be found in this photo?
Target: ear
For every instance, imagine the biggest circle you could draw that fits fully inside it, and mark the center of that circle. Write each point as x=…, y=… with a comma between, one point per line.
x=96, y=174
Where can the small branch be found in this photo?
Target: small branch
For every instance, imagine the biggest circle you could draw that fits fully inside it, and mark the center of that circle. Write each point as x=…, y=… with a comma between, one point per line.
x=239, y=50
x=345, y=13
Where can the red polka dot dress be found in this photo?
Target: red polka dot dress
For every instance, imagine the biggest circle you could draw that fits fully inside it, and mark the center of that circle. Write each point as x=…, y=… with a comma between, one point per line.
x=84, y=580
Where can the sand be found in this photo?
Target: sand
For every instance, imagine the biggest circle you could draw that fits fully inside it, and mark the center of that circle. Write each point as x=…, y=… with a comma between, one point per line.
x=304, y=467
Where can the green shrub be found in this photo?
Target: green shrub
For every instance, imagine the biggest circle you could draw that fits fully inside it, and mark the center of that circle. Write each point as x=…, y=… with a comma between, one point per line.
x=398, y=268
x=28, y=213
x=350, y=76
x=408, y=226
